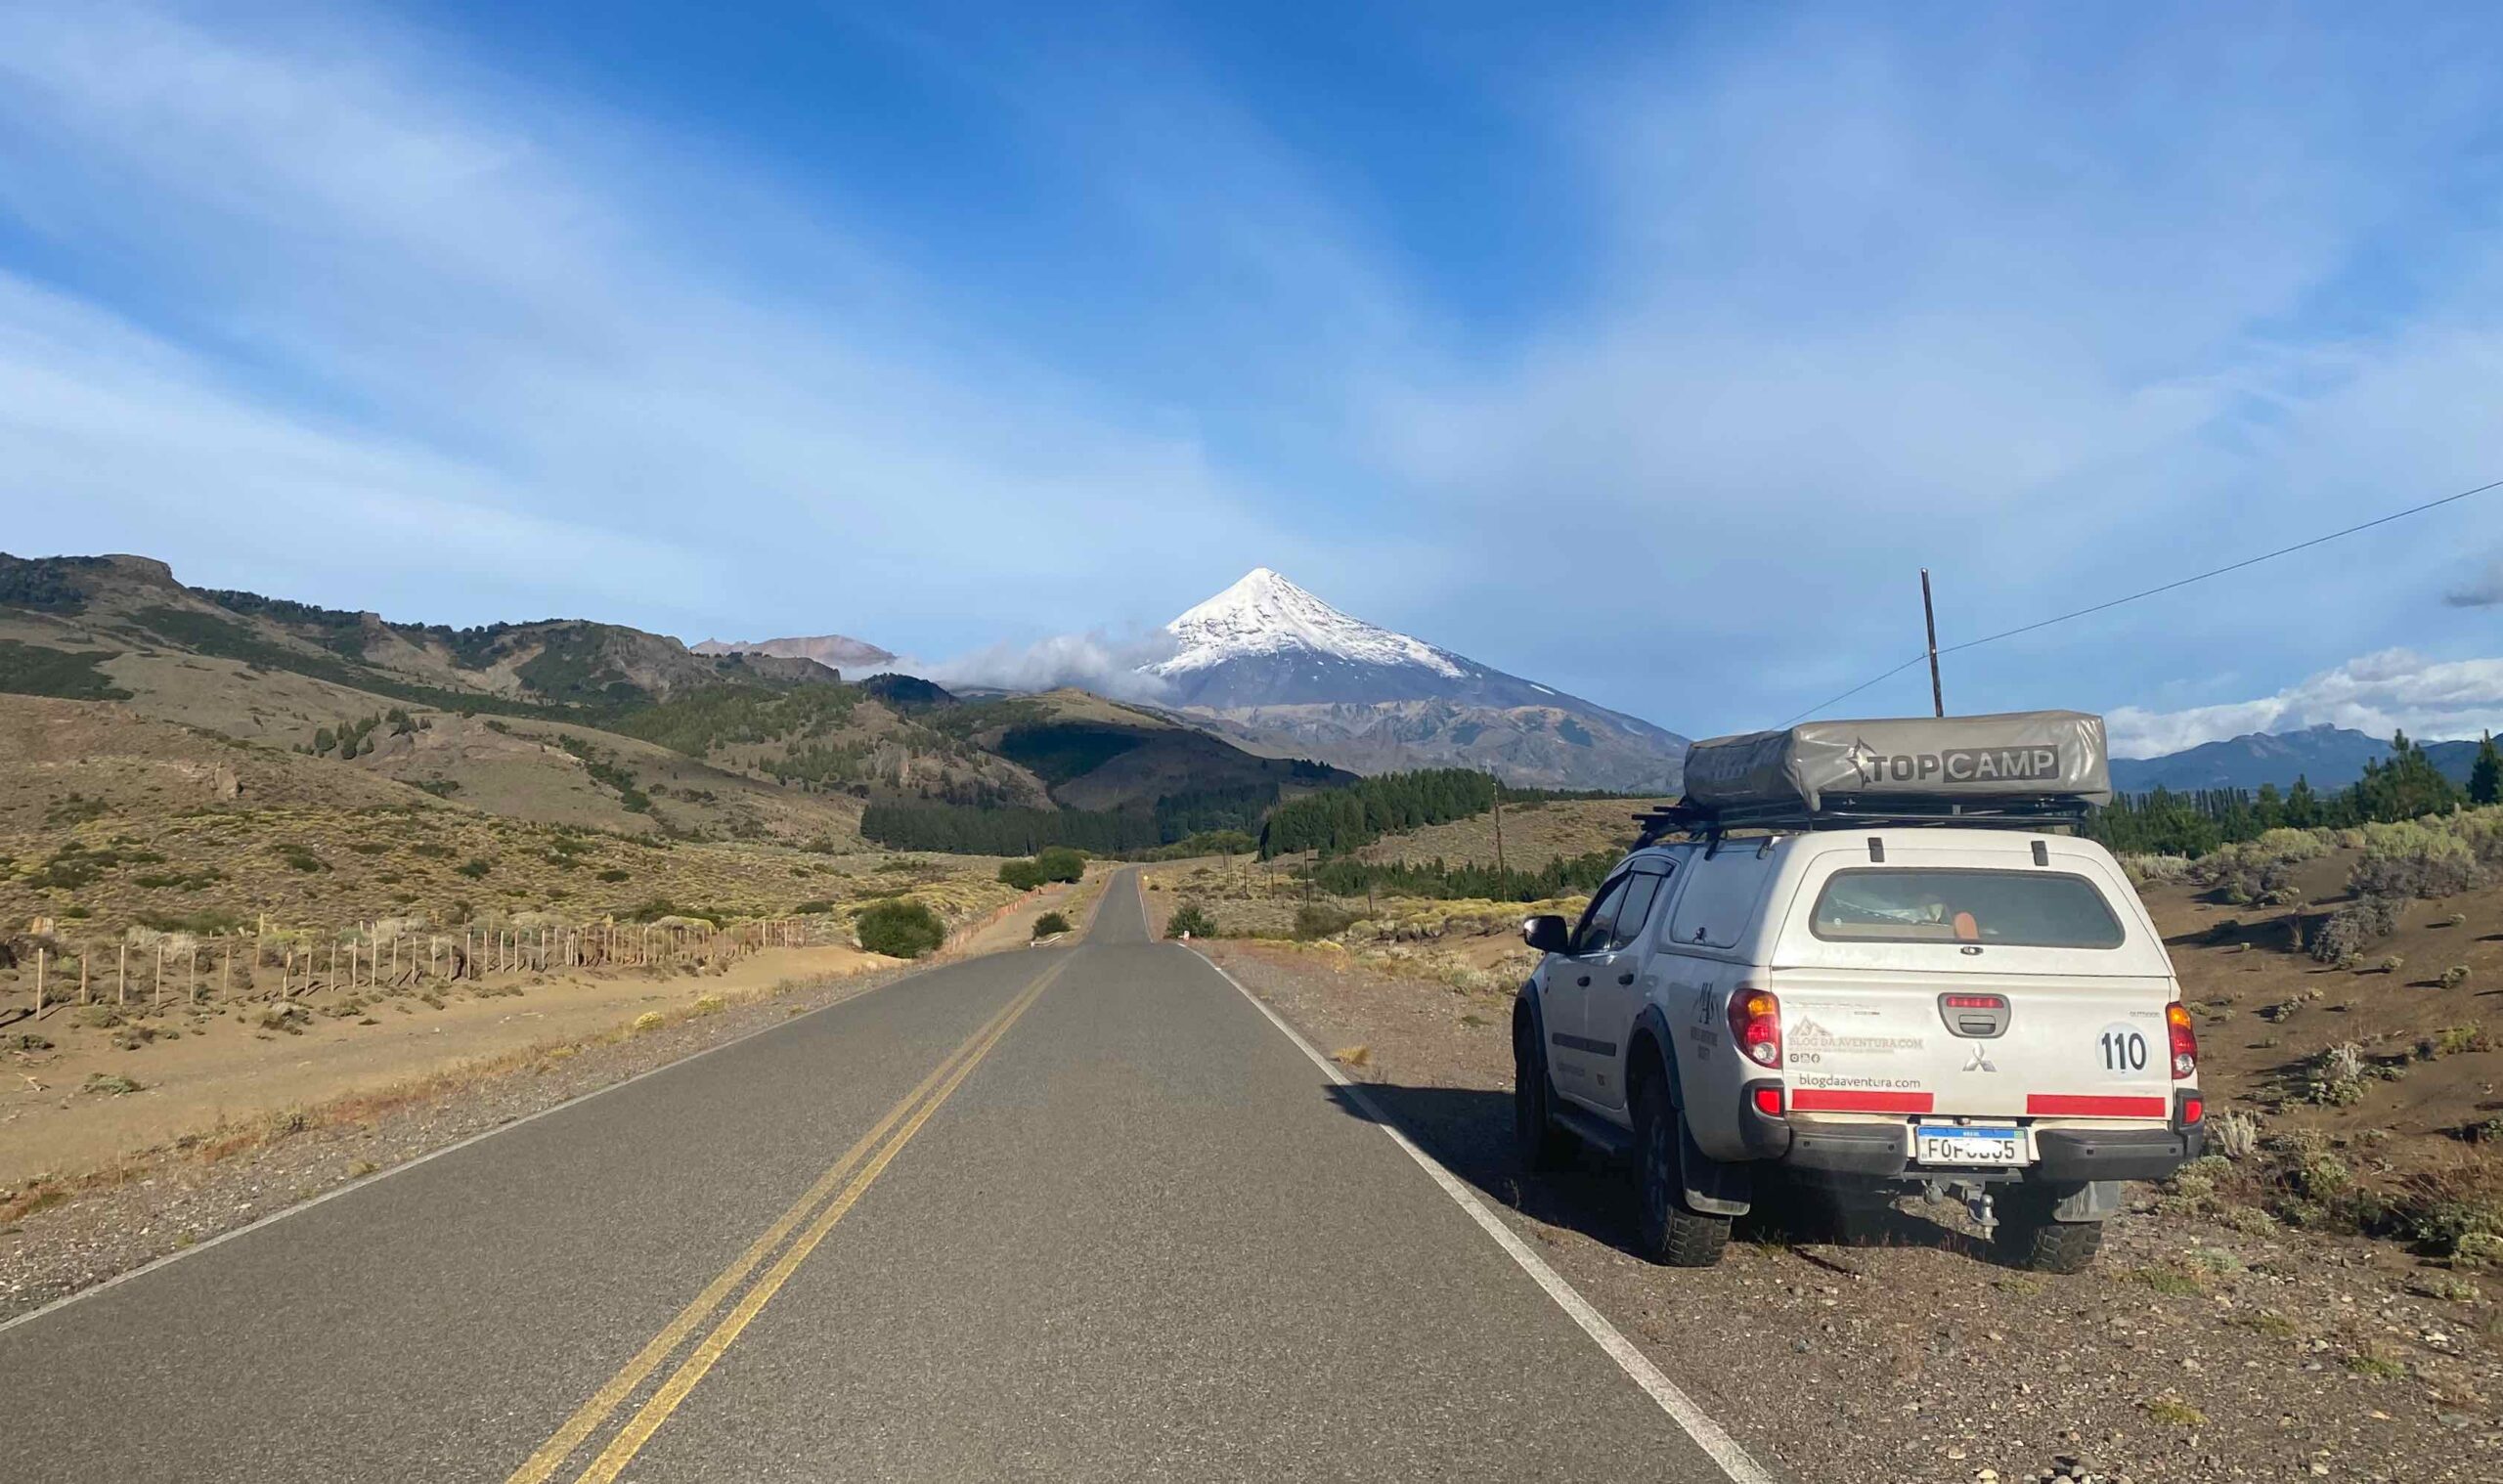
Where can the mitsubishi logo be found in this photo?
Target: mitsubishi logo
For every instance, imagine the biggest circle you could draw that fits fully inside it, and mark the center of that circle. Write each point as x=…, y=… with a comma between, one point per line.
x=1981, y=1060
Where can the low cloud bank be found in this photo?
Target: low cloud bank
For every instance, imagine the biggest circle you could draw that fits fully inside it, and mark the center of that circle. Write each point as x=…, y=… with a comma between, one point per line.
x=1106, y=664
x=2396, y=689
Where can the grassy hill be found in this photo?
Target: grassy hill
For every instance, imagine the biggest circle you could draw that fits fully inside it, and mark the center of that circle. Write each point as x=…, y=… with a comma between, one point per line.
x=591, y=725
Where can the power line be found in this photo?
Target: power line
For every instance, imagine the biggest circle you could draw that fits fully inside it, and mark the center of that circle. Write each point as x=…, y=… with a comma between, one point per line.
x=2248, y=561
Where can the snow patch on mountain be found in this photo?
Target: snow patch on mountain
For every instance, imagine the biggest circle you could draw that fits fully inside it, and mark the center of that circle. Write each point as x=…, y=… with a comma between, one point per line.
x=1265, y=614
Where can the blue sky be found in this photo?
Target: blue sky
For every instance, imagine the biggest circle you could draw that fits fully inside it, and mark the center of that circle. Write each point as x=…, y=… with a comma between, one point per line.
x=1646, y=353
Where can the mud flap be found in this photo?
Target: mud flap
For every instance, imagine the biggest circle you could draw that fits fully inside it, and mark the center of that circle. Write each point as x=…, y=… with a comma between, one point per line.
x=1713, y=1188
x=2093, y=1201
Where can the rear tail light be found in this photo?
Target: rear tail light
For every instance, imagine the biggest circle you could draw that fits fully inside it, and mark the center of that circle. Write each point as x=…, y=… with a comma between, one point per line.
x=2188, y=1109
x=1755, y=1026
x=2185, y=1040
x=1768, y=1100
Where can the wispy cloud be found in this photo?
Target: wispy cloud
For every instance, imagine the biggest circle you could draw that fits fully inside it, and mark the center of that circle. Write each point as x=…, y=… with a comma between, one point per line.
x=436, y=278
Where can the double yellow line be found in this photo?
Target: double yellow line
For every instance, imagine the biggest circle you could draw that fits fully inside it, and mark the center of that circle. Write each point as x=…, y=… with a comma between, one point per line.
x=845, y=1181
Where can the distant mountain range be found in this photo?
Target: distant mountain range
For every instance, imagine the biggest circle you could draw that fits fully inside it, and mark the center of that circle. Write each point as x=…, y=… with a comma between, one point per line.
x=2329, y=757
x=832, y=651
x=1273, y=666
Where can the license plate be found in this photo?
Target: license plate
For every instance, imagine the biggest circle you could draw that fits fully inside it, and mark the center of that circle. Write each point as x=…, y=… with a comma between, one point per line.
x=1963, y=1144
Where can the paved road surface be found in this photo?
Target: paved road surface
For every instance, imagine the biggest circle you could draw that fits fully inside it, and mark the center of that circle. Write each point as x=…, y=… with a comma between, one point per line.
x=1076, y=1212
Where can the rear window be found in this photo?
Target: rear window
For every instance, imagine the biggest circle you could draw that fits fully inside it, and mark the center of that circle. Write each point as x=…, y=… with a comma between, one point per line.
x=2015, y=910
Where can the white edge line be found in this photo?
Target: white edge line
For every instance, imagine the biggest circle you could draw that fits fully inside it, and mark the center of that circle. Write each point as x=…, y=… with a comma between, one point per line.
x=403, y=1167
x=1724, y=1450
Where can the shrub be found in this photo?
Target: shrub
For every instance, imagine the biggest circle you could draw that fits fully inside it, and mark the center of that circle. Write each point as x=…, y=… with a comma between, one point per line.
x=1060, y=863
x=298, y=858
x=2414, y=859
x=2234, y=1134
x=2342, y=934
x=475, y=867
x=1050, y=923
x=2392, y=963
x=2261, y=870
x=813, y=908
x=899, y=928
x=2454, y=976
x=1021, y=874
x=2339, y=1076
x=1317, y=919
x=613, y=874
x=1190, y=920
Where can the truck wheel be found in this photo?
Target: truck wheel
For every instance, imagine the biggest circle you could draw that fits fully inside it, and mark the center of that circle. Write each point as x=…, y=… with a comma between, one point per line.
x=1665, y=1231
x=2027, y=1236
x=1536, y=1140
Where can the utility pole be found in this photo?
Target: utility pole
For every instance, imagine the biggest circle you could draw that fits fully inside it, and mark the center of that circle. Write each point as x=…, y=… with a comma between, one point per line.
x=1929, y=618
x=1499, y=826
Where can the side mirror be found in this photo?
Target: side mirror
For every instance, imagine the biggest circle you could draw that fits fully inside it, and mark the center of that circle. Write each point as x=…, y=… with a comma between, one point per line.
x=1548, y=935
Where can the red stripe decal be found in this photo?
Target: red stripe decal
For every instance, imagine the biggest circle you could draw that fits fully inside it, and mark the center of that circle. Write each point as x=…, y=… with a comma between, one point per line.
x=1810, y=1100
x=2057, y=1104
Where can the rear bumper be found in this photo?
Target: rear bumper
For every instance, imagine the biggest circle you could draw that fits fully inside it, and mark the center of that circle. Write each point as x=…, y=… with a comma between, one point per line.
x=2115, y=1154
x=1882, y=1150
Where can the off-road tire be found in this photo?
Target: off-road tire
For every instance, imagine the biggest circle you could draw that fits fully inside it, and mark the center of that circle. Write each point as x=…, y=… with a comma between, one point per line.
x=2031, y=1240
x=1538, y=1143
x=1665, y=1231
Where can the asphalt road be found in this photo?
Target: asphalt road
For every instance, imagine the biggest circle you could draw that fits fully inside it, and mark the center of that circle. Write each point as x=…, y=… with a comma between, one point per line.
x=1077, y=1212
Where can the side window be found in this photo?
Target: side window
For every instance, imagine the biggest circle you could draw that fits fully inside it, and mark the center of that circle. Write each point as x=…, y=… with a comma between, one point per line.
x=1641, y=893
x=1592, y=935
x=1720, y=896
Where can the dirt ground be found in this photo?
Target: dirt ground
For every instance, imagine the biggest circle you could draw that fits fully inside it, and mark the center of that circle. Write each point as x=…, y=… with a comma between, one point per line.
x=2192, y=1351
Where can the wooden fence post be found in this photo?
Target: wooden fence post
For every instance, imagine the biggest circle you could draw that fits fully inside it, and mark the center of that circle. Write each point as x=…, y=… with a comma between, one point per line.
x=38, y=983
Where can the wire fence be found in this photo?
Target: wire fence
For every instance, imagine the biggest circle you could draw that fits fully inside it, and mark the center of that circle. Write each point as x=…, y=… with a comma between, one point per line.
x=152, y=971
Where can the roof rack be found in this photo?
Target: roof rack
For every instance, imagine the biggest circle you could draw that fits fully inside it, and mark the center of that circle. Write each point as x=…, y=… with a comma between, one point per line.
x=1837, y=812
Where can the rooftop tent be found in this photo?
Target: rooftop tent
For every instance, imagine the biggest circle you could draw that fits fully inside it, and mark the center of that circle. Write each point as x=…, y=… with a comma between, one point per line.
x=2013, y=760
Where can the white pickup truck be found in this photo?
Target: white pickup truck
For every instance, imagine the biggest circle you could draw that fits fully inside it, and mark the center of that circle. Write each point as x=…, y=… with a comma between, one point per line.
x=1872, y=1005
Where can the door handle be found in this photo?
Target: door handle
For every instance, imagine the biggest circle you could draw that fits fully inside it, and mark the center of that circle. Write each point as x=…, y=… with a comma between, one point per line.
x=1625, y=979
x=1584, y=981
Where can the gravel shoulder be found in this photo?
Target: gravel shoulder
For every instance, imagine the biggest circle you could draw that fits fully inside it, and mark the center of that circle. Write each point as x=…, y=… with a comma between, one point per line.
x=2193, y=1350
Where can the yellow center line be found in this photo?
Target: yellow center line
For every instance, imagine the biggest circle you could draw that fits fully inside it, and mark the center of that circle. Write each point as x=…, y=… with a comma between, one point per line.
x=551, y=1455
x=621, y=1450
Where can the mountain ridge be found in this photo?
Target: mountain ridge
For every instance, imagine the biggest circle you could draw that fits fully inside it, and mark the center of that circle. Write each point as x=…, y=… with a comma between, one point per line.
x=2326, y=754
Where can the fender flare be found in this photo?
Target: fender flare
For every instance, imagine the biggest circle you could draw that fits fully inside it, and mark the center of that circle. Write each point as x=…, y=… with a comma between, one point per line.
x=1651, y=1020
x=1525, y=1003
x=1712, y=1187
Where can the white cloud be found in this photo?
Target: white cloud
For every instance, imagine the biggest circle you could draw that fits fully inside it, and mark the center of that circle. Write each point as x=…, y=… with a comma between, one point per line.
x=2394, y=690
x=1097, y=661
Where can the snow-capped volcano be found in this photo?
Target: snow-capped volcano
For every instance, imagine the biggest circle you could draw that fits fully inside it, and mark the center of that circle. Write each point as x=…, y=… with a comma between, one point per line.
x=1279, y=665
x=1265, y=615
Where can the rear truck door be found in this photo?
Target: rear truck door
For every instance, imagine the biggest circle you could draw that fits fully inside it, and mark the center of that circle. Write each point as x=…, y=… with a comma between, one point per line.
x=1565, y=1002
x=1973, y=982
x=1620, y=977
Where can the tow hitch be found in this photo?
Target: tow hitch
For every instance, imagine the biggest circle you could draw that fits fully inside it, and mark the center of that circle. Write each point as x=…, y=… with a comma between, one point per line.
x=1975, y=1194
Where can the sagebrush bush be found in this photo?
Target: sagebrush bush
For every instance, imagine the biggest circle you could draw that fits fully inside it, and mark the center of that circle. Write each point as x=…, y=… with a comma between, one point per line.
x=1190, y=920
x=899, y=928
x=2414, y=859
x=2341, y=936
x=2262, y=870
x=1050, y=923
